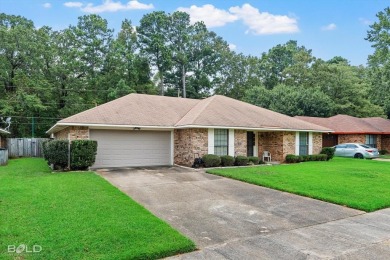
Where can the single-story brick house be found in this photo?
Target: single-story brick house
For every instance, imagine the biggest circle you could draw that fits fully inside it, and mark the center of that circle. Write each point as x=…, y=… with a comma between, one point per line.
x=373, y=131
x=147, y=130
x=2, y=139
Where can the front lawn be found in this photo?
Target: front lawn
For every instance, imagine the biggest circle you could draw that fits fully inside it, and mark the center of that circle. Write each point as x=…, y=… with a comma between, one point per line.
x=359, y=184
x=385, y=156
x=77, y=216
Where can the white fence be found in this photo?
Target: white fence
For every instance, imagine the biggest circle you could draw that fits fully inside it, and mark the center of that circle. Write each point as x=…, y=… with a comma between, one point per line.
x=25, y=147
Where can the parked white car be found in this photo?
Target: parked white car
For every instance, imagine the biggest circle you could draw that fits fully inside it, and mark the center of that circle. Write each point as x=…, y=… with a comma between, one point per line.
x=356, y=150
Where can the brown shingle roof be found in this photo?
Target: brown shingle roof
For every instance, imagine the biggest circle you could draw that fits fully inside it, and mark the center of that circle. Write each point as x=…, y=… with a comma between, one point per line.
x=161, y=111
x=344, y=124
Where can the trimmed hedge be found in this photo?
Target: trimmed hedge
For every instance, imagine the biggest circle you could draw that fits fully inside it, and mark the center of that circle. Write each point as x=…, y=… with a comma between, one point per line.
x=329, y=151
x=383, y=152
x=254, y=159
x=291, y=158
x=227, y=160
x=56, y=153
x=82, y=153
x=211, y=160
x=241, y=160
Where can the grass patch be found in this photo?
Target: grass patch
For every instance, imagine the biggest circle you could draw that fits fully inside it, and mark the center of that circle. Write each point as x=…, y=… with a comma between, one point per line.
x=359, y=184
x=385, y=156
x=77, y=215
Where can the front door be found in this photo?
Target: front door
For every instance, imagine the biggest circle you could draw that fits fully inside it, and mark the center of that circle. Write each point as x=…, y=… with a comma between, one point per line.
x=250, y=142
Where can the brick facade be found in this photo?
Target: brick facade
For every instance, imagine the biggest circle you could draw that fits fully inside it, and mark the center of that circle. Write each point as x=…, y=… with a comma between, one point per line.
x=240, y=142
x=317, y=143
x=273, y=143
x=385, y=143
x=76, y=133
x=189, y=143
x=382, y=141
x=361, y=139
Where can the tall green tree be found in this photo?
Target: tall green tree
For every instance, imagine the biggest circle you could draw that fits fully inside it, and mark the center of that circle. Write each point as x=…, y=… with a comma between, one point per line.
x=152, y=38
x=379, y=61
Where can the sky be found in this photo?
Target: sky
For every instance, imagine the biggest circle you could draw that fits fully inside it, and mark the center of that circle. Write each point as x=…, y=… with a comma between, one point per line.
x=328, y=27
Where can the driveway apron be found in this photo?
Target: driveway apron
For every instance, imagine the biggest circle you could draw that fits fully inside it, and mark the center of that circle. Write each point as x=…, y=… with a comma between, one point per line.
x=229, y=219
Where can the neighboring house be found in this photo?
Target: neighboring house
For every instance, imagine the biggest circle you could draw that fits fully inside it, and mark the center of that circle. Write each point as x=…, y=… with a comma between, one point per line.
x=146, y=130
x=373, y=131
x=2, y=139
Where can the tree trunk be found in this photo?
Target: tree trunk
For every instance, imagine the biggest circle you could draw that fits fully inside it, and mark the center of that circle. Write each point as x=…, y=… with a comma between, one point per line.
x=183, y=80
x=161, y=83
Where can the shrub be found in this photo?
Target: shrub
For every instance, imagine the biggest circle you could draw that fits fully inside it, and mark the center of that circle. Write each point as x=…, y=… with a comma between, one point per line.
x=44, y=149
x=211, y=160
x=83, y=154
x=254, y=159
x=383, y=152
x=329, y=151
x=227, y=160
x=322, y=157
x=291, y=158
x=241, y=160
x=56, y=153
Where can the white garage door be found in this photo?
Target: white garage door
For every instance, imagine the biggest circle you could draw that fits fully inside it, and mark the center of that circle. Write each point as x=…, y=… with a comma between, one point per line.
x=118, y=148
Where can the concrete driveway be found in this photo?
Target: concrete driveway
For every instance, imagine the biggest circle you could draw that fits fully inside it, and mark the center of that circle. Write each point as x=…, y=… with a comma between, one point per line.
x=228, y=219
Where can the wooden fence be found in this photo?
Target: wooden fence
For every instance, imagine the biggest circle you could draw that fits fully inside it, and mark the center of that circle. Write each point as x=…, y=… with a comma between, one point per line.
x=3, y=157
x=25, y=147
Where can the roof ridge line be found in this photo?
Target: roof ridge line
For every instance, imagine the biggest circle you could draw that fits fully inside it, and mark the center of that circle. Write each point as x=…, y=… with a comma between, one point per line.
x=200, y=111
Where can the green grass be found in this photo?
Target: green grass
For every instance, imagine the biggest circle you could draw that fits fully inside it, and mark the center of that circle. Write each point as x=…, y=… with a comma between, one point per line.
x=359, y=184
x=77, y=216
x=385, y=156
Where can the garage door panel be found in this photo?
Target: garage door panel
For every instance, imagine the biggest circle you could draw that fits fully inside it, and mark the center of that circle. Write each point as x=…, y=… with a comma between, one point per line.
x=131, y=148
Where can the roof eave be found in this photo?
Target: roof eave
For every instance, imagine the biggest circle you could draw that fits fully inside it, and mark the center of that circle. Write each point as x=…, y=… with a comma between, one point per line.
x=278, y=129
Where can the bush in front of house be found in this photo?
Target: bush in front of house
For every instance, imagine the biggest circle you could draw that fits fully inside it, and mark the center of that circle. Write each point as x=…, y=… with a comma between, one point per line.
x=241, y=160
x=56, y=153
x=383, y=152
x=82, y=154
x=329, y=151
x=227, y=160
x=291, y=158
x=211, y=160
x=254, y=159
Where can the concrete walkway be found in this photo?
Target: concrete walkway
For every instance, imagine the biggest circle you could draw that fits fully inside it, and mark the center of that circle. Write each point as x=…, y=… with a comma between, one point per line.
x=228, y=219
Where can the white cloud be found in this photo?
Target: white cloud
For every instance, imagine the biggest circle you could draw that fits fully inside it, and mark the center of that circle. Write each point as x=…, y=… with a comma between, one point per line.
x=329, y=27
x=365, y=21
x=209, y=14
x=47, y=5
x=263, y=22
x=110, y=6
x=232, y=46
x=73, y=4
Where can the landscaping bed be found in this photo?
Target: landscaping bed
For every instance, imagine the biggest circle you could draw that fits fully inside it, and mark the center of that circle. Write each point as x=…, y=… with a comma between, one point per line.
x=359, y=184
x=77, y=215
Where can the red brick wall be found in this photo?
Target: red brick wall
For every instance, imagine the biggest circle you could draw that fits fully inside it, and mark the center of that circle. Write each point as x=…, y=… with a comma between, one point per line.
x=385, y=142
x=187, y=143
x=273, y=143
x=352, y=138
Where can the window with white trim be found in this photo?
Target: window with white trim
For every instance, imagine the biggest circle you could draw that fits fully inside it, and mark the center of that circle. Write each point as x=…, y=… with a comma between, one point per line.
x=303, y=143
x=371, y=140
x=221, y=142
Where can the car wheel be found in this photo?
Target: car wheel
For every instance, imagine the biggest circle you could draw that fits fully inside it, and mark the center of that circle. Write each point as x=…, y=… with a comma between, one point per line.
x=359, y=156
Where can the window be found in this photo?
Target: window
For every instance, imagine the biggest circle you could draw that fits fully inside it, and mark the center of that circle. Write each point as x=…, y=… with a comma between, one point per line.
x=371, y=140
x=351, y=146
x=221, y=141
x=303, y=143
